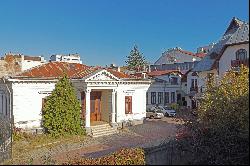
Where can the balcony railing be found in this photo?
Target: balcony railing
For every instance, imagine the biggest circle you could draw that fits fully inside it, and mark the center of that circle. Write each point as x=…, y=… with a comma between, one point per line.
x=237, y=63
x=194, y=89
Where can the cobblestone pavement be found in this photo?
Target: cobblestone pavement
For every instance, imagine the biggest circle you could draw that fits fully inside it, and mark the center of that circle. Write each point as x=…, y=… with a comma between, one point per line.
x=151, y=133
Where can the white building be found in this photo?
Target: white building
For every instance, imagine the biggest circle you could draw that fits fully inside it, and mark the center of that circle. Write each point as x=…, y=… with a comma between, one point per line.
x=177, y=59
x=228, y=53
x=106, y=95
x=165, y=88
x=70, y=58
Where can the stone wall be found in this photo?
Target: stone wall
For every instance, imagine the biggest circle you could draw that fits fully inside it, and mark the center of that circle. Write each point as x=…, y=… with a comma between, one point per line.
x=166, y=154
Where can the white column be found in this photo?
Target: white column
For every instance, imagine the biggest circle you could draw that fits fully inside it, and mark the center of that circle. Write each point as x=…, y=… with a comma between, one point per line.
x=87, y=112
x=113, y=111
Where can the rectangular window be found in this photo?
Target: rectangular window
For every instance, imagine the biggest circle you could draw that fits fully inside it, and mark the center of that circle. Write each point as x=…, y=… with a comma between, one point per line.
x=160, y=97
x=147, y=98
x=6, y=105
x=128, y=104
x=43, y=102
x=1, y=105
x=153, y=97
x=193, y=83
x=166, y=97
x=172, y=97
x=174, y=81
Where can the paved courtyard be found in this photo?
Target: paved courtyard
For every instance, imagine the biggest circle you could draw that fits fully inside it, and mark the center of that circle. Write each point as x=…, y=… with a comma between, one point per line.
x=152, y=132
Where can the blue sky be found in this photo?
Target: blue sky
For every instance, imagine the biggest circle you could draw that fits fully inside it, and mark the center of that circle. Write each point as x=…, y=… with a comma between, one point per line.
x=104, y=31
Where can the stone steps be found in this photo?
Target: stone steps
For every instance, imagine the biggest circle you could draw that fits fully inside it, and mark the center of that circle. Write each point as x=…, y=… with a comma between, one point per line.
x=101, y=130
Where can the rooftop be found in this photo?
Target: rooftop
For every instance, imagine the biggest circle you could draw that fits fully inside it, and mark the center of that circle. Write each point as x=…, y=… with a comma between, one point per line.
x=72, y=70
x=236, y=33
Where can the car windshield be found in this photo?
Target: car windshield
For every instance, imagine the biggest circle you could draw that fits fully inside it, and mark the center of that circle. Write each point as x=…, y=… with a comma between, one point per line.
x=167, y=108
x=158, y=111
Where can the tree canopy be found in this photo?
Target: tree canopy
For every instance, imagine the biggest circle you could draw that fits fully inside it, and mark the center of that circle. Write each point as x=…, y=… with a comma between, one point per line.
x=221, y=133
x=61, y=113
x=135, y=60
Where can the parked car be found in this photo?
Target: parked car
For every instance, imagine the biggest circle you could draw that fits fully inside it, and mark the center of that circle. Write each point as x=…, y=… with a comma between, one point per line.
x=153, y=113
x=167, y=111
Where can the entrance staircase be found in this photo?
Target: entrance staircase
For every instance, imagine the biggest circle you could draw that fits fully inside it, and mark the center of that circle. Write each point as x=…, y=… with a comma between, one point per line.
x=102, y=130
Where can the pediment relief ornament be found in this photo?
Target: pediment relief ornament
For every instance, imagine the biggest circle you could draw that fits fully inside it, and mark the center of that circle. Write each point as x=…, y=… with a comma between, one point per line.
x=103, y=76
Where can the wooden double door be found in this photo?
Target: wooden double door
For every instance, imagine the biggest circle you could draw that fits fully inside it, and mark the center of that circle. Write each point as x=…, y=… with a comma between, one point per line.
x=95, y=105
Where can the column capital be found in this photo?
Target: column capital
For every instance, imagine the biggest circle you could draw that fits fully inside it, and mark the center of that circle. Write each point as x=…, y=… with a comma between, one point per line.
x=87, y=90
x=114, y=90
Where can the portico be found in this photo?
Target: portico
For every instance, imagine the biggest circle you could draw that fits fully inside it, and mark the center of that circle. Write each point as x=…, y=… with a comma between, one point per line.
x=98, y=105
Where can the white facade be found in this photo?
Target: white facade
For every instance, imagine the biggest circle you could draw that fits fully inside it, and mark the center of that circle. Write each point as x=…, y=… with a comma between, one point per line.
x=28, y=63
x=176, y=55
x=162, y=91
x=198, y=80
x=71, y=58
x=230, y=54
x=28, y=96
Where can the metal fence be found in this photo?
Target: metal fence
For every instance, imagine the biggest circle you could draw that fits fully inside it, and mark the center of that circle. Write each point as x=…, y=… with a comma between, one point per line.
x=5, y=138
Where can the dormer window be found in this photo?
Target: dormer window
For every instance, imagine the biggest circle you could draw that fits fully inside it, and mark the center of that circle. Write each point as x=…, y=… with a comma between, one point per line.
x=241, y=54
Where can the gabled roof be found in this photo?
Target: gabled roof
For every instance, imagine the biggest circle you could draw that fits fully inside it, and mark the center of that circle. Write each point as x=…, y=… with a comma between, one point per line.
x=236, y=33
x=172, y=52
x=57, y=69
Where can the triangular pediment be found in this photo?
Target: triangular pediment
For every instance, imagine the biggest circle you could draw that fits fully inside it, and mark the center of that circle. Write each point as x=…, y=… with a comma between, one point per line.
x=102, y=75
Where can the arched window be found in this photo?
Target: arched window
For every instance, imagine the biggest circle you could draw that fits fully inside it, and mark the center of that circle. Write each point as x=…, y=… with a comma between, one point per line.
x=194, y=74
x=241, y=54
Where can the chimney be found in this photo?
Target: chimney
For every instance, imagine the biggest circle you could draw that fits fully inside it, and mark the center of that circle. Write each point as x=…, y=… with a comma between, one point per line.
x=143, y=75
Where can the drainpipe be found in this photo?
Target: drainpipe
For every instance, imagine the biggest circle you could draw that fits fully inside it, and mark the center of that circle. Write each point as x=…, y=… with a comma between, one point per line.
x=11, y=112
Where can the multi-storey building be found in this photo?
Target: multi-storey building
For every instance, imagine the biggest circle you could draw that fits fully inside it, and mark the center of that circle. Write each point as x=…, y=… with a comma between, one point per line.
x=229, y=52
x=70, y=58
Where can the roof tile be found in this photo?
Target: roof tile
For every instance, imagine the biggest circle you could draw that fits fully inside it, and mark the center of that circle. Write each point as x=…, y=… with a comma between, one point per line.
x=72, y=70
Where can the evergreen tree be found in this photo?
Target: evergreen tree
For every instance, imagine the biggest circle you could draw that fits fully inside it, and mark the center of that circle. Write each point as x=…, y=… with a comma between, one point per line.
x=135, y=60
x=61, y=113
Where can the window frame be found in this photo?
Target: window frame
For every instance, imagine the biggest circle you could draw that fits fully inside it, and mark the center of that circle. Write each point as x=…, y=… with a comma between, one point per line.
x=160, y=97
x=128, y=108
x=241, y=54
x=173, y=97
x=166, y=97
x=153, y=97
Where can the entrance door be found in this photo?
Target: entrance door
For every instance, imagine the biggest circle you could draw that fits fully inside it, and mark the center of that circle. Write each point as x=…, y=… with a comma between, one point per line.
x=95, y=106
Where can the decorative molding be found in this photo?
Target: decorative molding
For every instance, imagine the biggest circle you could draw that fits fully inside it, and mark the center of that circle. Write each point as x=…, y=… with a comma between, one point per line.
x=129, y=92
x=103, y=76
x=45, y=92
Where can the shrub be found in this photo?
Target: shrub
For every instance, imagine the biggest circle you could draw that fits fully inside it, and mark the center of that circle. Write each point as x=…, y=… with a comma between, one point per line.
x=174, y=106
x=61, y=113
x=221, y=133
x=125, y=156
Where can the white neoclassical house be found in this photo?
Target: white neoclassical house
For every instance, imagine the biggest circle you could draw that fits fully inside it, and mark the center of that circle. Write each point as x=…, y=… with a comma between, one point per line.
x=106, y=95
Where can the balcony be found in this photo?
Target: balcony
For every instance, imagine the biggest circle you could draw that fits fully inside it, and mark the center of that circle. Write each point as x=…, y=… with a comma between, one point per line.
x=194, y=89
x=237, y=63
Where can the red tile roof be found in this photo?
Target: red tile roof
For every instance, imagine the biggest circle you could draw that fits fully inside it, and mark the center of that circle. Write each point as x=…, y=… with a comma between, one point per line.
x=187, y=52
x=200, y=55
x=163, y=72
x=57, y=69
x=119, y=74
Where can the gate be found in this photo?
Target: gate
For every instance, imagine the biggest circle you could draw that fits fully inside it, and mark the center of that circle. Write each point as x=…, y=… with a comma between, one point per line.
x=5, y=138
